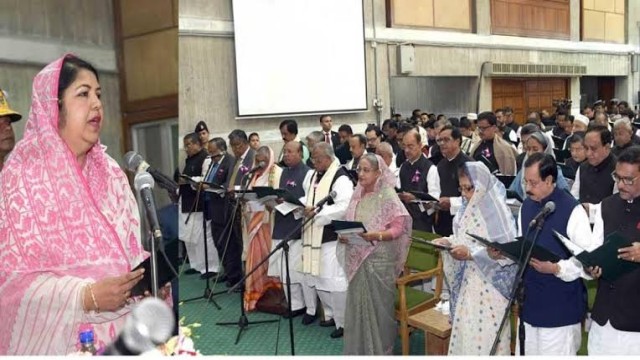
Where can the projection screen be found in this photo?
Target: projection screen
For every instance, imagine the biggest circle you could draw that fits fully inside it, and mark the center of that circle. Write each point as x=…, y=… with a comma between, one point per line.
x=299, y=56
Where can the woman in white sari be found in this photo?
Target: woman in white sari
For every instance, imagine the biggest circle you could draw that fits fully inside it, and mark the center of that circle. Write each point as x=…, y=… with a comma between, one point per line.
x=479, y=285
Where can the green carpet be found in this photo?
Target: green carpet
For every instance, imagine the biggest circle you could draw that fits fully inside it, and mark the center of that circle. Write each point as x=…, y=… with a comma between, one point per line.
x=257, y=339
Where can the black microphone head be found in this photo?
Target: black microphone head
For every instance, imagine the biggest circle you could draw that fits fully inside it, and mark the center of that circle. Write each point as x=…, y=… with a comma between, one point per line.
x=550, y=207
x=132, y=161
x=333, y=194
x=150, y=324
x=143, y=180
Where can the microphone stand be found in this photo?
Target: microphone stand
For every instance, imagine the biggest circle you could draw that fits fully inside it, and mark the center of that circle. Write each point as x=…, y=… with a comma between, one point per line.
x=243, y=322
x=284, y=245
x=208, y=294
x=518, y=287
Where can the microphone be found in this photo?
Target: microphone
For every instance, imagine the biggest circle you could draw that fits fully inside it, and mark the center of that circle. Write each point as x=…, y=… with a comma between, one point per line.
x=148, y=325
x=144, y=184
x=549, y=208
x=136, y=164
x=324, y=200
x=260, y=165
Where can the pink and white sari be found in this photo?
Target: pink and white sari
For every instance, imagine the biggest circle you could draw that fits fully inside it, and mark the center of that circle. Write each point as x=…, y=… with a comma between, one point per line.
x=61, y=227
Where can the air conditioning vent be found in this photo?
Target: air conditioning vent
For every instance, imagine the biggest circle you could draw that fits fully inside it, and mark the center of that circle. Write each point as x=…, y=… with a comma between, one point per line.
x=502, y=69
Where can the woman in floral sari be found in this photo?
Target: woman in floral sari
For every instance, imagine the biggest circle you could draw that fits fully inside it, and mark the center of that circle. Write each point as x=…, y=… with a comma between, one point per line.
x=257, y=220
x=479, y=285
x=69, y=225
x=372, y=269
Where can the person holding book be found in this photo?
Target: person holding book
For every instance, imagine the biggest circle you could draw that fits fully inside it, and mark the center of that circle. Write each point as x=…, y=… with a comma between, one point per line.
x=479, y=280
x=291, y=180
x=554, y=296
x=615, y=329
x=256, y=227
x=372, y=268
x=69, y=223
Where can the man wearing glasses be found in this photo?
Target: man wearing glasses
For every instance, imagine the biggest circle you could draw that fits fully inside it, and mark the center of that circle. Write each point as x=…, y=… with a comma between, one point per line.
x=492, y=150
x=615, y=329
x=221, y=164
x=593, y=180
x=554, y=295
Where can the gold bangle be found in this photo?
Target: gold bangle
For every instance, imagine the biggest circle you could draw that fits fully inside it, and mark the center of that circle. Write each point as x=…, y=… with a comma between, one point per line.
x=93, y=298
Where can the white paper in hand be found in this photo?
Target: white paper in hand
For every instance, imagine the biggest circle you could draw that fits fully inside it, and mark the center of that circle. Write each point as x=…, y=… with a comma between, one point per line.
x=285, y=208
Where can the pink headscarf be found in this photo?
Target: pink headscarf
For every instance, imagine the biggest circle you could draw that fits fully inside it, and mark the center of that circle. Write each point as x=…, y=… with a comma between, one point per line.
x=390, y=210
x=61, y=227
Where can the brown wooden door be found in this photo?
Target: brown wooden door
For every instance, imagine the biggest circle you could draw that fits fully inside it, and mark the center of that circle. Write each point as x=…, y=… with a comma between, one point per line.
x=527, y=95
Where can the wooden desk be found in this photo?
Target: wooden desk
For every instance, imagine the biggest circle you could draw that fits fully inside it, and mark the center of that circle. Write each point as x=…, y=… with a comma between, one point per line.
x=437, y=330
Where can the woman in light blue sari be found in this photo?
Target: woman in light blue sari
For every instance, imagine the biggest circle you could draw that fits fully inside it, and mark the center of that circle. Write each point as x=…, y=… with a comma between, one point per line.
x=478, y=283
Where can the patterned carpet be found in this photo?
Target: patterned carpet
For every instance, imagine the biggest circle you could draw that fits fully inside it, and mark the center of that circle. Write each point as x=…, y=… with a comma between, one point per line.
x=256, y=339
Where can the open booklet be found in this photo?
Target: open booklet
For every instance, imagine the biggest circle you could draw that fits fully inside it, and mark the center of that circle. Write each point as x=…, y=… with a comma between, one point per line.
x=516, y=250
x=605, y=256
x=268, y=194
x=351, y=230
x=210, y=187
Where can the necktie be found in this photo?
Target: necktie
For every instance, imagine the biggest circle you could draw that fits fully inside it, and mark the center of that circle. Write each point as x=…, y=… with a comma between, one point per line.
x=327, y=139
x=232, y=181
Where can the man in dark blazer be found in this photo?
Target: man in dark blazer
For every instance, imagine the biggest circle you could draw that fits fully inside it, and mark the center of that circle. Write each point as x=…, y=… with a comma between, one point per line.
x=243, y=153
x=215, y=203
x=330, y=136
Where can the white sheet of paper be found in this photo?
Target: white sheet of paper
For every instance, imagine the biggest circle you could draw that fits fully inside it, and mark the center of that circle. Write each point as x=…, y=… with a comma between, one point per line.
x=573, y=247
x=248, y=196
x=285, y=208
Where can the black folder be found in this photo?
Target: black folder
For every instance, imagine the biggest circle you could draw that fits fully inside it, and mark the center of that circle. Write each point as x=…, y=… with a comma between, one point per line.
x=284, y=194
x=558, y=142
x=483, y=159
x=567, y=172
x=605, y=256
x=165, y=275
x=348, y=226
x=506, y=180
x=423, y=196
x=514, y=195
x=561, y=155
x=515, y=250
x=431, y=243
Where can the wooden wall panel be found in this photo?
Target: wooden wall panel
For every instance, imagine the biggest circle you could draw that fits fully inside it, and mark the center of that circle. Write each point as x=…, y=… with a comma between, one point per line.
x=527, y=95
x=151, y=65
x=542, y=18
x=438, y=14
x=603, y=21
x=143, y=16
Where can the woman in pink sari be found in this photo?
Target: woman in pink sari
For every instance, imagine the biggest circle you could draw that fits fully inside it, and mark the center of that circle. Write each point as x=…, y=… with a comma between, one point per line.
x=257, y=219
x=69, y=225
x=372, y=268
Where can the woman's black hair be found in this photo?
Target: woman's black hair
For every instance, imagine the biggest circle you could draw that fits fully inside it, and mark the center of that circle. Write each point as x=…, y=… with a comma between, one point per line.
x=69, y=72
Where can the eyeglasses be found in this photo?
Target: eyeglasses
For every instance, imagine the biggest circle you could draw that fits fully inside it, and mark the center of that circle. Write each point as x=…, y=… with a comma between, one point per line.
x=624, y=180
x=365, y=170
x=483, y=128
x=466, y=188
x=443, y=141
x=533, y=184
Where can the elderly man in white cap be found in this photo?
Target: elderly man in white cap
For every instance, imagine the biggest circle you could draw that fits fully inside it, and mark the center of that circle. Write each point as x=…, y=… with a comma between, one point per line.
x=7, y=137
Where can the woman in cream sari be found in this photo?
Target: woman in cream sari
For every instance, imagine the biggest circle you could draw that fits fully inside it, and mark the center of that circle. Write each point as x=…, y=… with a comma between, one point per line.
x=257, y=230
x=479, y=285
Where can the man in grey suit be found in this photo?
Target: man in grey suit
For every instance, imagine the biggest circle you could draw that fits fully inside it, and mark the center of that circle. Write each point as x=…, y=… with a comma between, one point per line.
x=232, y=260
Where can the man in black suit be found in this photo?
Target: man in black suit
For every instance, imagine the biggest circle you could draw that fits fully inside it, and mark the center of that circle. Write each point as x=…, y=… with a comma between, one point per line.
x=215, y=203
x=330, y=136
x=191, y=232
x=232, y=261
x=342, y=152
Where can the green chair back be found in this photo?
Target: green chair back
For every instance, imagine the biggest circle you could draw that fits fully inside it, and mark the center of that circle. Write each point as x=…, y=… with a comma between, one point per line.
x=422, y=257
